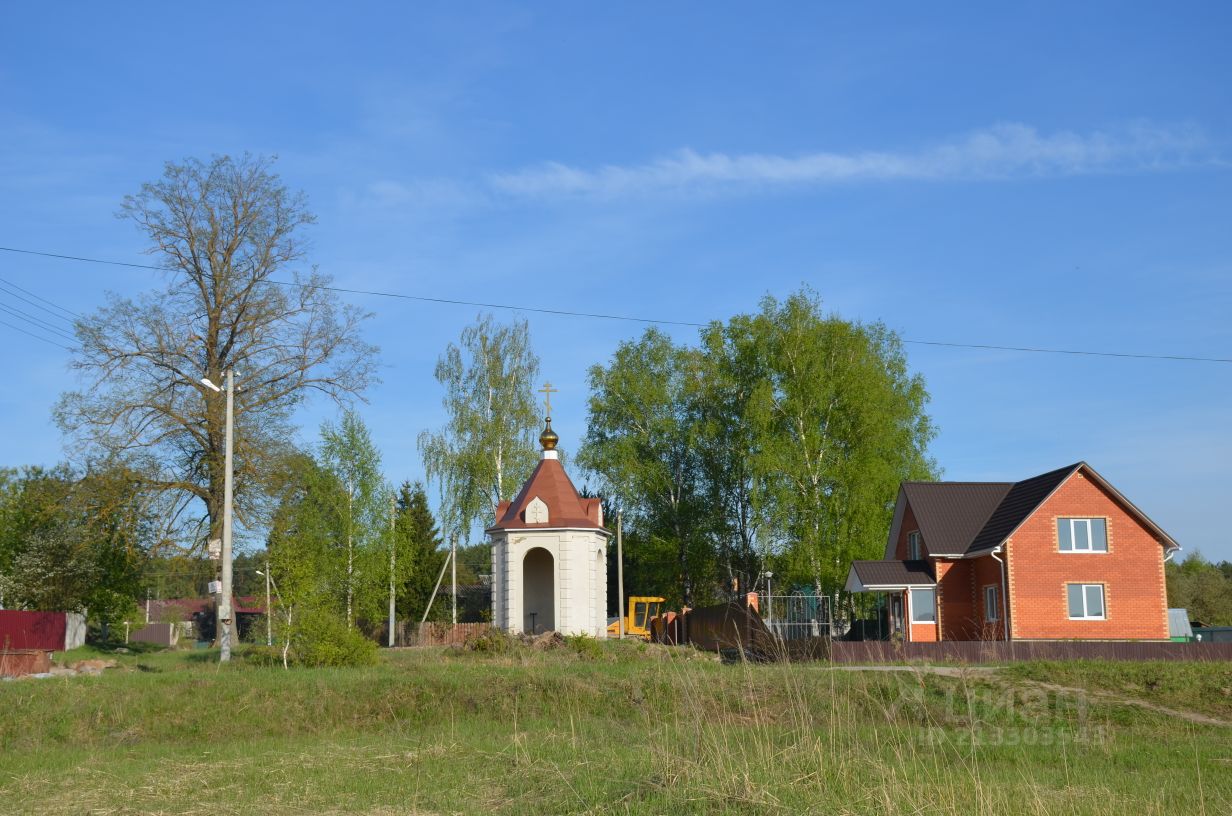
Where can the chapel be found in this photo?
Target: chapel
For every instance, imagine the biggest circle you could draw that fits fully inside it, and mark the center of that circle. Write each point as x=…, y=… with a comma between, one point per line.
x=549, y=554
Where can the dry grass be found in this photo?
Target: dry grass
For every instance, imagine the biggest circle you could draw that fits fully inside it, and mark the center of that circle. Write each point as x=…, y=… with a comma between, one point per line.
x=633, y=731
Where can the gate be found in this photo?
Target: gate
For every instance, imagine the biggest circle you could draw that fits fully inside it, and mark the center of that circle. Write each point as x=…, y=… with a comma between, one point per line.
x=798, y=616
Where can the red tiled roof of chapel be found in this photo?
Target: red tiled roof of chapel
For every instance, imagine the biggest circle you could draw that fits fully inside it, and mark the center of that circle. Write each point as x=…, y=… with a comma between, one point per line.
x=551, y=485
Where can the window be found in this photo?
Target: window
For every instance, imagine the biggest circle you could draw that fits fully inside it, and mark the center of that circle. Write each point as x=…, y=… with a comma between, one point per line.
x=913, y=546
x=923, y=606
x=1086, y=601
x=992, y=603
x=1082, y=534
x=639, y=615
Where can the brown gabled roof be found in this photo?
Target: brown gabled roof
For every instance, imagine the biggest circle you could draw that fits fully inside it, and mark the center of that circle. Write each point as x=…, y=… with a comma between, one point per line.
x=550, y=484
x=1019, y=503
x=951, y=514
x=888, y=575
x=959, y=519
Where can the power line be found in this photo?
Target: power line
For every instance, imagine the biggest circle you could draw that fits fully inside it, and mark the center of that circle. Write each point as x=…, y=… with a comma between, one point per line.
x=628, y=318
x=35, y=336
x=6, y=288
x=34, y=321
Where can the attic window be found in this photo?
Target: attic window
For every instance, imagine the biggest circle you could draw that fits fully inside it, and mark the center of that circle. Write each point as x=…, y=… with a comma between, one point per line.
x=913, y=546
x=536, y=512
x=1082, y=534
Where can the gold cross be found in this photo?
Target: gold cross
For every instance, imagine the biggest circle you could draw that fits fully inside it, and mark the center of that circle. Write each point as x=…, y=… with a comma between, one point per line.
x=547, y=392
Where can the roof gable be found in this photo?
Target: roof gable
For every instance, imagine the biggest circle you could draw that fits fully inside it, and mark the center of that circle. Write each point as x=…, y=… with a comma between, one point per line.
x=951, y=514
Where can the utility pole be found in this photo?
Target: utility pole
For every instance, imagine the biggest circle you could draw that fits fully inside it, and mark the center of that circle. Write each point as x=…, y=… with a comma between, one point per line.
x=453, y=563
x=224, y=603
x=393, y=508
x=620, y=573
x=224, y=608
x=269, y=610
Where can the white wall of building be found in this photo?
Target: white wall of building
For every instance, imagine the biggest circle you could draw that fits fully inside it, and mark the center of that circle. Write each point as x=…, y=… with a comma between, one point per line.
x=579, y=583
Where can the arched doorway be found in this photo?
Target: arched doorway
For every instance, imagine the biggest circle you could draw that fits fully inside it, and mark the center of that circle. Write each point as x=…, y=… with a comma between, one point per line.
x=538, y=591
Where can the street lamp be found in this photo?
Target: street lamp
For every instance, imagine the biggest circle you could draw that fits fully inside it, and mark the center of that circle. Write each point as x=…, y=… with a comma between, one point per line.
x=224, y=603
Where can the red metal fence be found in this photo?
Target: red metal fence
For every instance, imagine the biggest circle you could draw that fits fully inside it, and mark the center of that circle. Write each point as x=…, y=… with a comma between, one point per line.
x=32, y=630
x=870, y=651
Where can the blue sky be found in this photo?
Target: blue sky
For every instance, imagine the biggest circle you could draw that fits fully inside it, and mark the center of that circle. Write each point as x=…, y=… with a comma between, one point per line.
x=1054, y=175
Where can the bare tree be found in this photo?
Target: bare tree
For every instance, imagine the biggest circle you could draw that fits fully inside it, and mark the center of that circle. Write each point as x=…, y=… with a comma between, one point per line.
x=222, y=229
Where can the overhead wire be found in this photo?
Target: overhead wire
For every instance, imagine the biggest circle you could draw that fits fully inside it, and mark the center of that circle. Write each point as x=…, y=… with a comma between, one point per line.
x=42, y=325
x=6, y=290
x=35, y=336
x=635, y=319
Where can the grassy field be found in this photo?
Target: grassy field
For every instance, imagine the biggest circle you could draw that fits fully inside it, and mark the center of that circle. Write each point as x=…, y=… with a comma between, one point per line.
x=618, y=729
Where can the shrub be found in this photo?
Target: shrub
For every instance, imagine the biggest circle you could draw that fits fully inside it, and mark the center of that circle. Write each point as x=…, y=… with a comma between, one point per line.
x=488, y=641
x=585, y=646
x=320, y=638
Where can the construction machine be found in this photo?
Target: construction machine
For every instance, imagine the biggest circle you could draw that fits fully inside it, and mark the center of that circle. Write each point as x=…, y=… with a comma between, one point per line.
x=637, y=623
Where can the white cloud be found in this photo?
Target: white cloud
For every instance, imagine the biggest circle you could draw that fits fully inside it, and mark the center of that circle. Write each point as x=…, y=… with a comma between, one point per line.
x=999, y=152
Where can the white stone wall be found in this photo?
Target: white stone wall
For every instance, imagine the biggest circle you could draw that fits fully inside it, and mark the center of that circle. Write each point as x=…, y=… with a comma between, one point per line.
x=580, y=578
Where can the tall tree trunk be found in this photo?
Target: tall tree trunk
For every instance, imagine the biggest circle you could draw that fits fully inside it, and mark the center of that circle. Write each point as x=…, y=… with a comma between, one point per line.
x=350, y=557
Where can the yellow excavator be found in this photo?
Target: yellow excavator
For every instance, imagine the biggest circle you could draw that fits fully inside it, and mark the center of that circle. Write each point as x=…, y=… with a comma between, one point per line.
x=637, y=623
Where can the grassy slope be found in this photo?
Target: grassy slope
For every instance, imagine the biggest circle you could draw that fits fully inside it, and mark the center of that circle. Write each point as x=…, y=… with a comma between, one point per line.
x=435, y=731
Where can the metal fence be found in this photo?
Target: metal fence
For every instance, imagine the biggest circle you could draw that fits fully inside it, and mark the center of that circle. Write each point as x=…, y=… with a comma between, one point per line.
x=999, y=651
x=798, y=616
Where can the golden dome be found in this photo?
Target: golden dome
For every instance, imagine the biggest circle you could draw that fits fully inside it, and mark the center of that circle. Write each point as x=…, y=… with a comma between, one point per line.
x=548, y=438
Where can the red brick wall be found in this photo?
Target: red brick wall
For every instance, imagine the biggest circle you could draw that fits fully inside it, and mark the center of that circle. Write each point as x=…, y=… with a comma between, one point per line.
x=1132, y=572
x=956, y=600
x=987, y=571
x=909, y=526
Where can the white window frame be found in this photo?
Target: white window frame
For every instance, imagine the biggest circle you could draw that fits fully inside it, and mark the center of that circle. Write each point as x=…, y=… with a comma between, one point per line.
x=1103, y=602
x=992, y=611
x=913, y=545
x=911, y=599
x=1073, y=538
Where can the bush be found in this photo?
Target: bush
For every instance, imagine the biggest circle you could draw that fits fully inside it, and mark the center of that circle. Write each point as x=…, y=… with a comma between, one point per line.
x=319, y=638
x=488, y=641
x=585, y=646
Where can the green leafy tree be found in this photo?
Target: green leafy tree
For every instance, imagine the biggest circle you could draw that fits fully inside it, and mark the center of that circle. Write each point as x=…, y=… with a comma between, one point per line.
x=73, y=542
x=838, y=422
x=348, y=454
x=302, y=547
x=781, y=439
x=641, y=442
x=486, y=449
x=1201, y=587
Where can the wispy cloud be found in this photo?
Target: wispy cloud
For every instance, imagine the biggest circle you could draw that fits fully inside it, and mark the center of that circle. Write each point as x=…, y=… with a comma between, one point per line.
x=1003, y=151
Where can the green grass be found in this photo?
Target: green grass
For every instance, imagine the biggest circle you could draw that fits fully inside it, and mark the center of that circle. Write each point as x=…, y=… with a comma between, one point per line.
x=618, y=730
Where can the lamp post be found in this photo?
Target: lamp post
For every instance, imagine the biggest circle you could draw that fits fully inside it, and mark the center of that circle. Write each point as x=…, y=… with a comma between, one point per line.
x=224, y=603
x=269, y=610
x=620, y=574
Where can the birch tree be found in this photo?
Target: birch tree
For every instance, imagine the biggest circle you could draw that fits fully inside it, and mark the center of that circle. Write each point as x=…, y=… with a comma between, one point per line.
x=485, y=451
x=642, y=442
x=348, y=454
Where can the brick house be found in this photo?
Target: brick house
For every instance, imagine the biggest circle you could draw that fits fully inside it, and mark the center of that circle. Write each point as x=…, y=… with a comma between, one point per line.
x=1060, y=556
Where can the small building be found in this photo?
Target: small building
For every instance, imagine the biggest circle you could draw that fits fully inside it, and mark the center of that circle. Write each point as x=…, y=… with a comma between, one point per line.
x=1060, y=556
x=549, y=554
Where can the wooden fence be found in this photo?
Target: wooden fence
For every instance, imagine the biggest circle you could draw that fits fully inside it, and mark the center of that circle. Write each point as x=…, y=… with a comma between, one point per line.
x=870, y=651
x=444, y=634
